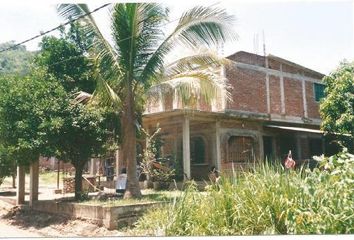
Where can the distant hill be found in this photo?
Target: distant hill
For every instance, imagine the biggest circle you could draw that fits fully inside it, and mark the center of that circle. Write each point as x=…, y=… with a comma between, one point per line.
x=15, y=61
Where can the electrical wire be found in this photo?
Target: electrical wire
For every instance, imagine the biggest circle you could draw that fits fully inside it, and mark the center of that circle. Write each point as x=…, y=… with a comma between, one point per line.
x=53, y=29
x=124, y=39
x=68, y=22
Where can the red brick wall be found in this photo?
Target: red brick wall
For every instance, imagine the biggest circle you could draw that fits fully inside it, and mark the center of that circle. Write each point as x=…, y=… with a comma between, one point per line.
x=248, y=58
x=293, y=98
x=275, y=98
x=312, y=105
x=248, y=92
x=291, y=69
x=272, y=64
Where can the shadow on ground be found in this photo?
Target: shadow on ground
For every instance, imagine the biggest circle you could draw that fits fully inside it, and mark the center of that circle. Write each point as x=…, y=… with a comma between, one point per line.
x=11, y=193
x=26, y=218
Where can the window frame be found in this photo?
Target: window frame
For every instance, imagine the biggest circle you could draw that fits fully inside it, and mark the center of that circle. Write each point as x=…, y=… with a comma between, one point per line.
x=253, y=146
x=315, y=84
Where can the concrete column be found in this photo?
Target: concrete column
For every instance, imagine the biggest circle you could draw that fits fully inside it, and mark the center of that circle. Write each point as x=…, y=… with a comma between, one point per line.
x=304, y=101
x=34, y=178
x=92, y=166
x=117, y=163
x=186, y=149
x=282, y=94
x=20, y=191
x=223, y=92
x=217, y=146
x=267, y=86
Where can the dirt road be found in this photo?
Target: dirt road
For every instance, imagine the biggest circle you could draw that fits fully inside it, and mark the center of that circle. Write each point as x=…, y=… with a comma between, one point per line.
x=17, y=222
x=7, y=231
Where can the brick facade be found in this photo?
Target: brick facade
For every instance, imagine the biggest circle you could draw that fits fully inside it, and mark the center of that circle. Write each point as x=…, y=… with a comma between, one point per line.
x=248, y=81
x=255, y=115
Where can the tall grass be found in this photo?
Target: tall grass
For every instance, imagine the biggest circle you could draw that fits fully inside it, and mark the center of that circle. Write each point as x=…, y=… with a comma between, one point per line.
x=267, y=200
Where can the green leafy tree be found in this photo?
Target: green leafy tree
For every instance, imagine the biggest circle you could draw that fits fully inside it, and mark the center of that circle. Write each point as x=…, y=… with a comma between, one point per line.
x=135, y=60
x=337, y=108
x=38, y=117
x=65, y=59
x=6, y=164
x=16, y=60
x=83, y=134
x=28, y=109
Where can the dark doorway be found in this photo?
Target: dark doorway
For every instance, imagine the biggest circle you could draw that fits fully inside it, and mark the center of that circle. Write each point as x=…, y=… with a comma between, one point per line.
x=197, y=148
x=315, y=145
x=286, y=143
x=268, y=148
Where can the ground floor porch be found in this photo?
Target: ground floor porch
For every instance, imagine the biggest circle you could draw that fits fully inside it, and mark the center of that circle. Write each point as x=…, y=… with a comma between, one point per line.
x=198, y=141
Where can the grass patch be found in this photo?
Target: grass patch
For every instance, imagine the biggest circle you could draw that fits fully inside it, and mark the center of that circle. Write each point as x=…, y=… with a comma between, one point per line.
x=50, y=177
x=149, y=196
x=264, y=201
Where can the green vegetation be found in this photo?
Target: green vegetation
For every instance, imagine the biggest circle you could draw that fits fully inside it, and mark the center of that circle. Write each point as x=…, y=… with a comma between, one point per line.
x=337, y=108
x=50, y=177
x=135, y=60
x=266, y=201
x=148, y=196
x=30, y=109
x=15, y=61
x=65, y=58
x=6, y=164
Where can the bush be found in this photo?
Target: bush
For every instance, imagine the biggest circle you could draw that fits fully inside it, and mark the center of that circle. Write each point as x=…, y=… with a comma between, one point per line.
x=6, y=164
x=265, y=201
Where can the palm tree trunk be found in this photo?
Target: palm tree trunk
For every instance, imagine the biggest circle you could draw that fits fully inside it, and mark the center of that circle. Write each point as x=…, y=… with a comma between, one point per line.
x=129, y=148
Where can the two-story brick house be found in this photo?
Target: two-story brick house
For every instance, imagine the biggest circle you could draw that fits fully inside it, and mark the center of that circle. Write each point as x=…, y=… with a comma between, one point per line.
x=274, y=109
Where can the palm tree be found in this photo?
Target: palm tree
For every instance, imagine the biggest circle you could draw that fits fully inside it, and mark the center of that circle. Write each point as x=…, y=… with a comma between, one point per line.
x=135, y=59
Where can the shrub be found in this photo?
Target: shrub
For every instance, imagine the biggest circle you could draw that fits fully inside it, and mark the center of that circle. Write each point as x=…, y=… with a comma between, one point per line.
x=267, y=200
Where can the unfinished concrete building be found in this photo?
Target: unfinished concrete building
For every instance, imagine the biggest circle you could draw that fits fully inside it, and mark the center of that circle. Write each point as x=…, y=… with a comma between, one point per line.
x=274, y=109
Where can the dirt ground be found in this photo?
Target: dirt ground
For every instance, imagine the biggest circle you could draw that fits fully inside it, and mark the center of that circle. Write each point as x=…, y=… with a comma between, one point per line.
x=48, y=225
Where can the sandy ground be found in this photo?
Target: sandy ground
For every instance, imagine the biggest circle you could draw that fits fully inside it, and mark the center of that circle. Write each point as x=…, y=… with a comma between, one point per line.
x=11, y=231
x=23, y=222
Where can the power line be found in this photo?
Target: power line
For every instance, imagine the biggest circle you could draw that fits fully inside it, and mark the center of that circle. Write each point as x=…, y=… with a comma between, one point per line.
x=53, y=29
x=68, y=22
x=124, y=39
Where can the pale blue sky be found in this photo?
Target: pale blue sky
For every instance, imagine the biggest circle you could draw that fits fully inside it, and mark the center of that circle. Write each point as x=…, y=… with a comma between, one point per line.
x=315, y=34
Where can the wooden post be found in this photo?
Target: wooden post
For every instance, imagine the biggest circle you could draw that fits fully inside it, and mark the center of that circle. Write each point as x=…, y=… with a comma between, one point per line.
x=58, y=174
x=34, y=178
x=186, y=149
x=20, y=191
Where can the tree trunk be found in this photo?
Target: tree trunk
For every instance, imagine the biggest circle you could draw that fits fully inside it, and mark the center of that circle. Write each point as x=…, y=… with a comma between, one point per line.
x=14, y=179
x=129, y=148
x=14, y=174
x=78, y=181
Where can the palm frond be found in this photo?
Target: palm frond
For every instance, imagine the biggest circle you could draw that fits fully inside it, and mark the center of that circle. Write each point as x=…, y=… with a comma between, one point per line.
x=200, y=26
x=82, y=97
x=208, y=85
x=108, y=58
x=204, y=26
x=137, y=32
x=199, y=61
x=105, y=95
